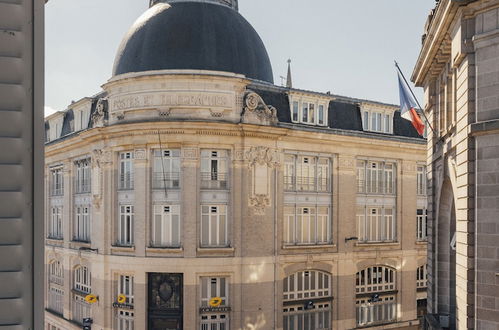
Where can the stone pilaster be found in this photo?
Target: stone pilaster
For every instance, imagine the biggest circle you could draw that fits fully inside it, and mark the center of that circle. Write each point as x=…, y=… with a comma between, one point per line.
x=141, y=202
x=190, y=192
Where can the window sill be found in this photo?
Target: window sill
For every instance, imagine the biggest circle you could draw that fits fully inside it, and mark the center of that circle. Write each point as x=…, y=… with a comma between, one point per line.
x=370, y=244
x=422, y=242
x=308, y=246
x=78, y=244
x=55, y=240
x=121, y=248
x=155, y=249
x=214, y=251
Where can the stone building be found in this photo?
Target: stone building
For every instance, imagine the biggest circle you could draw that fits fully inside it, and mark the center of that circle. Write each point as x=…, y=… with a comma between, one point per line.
x=193, y=193
x=459, y=70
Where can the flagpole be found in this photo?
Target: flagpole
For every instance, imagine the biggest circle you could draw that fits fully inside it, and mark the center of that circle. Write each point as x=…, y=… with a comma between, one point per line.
x=414, y=96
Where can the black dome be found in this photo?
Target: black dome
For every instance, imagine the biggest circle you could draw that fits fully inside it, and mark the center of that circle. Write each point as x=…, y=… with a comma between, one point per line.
x=193, y=35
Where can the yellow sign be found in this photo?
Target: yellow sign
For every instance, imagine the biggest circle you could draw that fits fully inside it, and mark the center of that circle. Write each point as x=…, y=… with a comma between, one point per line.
x=121, y=298
x=215, y=301
x=91, y=298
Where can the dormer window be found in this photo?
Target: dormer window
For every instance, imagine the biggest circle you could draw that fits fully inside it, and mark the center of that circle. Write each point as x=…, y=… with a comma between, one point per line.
x=308, y=111
x=377, y=119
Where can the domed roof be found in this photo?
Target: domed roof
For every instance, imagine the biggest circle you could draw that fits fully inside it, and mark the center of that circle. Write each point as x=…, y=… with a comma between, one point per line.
x=193, y=35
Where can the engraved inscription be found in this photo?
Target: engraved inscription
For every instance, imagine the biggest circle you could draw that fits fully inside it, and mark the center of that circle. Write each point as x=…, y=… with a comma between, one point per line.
x=170, y=99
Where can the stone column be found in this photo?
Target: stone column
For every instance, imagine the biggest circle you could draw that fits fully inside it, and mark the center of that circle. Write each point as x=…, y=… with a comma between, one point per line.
x=141, y=202
x=107, y=200
x=141, y=302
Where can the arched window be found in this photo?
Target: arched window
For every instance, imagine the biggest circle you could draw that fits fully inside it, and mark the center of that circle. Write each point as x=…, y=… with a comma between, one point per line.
x=376, y=295
x=56, y=272
x=307, y=299
x=422, y=276
x=82, y=279
x=56, y=287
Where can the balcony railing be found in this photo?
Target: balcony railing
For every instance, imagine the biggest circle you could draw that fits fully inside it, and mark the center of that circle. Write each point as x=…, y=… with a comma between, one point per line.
x=82, y=186
x=375, y=187
x=376, y=313
x=56, y=190
x=169, y=180
x=294, y=183
x=213, y=180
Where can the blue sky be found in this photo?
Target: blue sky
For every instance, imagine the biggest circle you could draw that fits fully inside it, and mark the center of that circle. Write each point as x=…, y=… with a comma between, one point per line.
x=346, y=47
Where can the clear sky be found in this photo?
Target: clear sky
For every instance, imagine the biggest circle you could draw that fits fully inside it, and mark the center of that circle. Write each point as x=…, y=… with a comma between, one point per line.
x=346, y=47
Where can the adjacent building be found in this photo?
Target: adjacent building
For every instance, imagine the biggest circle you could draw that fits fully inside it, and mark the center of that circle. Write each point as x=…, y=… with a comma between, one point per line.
x=459, y=70
x=193, y=193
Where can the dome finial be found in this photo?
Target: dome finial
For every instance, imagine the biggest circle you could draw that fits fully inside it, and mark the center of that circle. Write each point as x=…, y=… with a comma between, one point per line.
x=230, y=3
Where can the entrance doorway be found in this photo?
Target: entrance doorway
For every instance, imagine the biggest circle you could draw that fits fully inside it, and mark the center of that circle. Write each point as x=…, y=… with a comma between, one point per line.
x=165, y=305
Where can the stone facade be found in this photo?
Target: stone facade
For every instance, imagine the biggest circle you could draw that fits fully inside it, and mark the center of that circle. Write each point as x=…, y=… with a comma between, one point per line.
x=458, y=68
x=201, y=120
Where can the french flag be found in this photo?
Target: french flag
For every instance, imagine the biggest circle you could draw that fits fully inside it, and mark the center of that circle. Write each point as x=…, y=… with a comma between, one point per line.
x=408, y=108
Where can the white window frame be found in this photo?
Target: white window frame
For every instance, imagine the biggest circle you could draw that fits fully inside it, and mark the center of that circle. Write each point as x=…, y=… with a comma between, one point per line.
x=214, y=169
x=126, y=222
x=307, y=111
x=376, y=224
x=81, y=309
x=214, y=215
x=55, y=228
x=82, y=176
x=166, y=228
x=166, y=169
x=125, y=319
x=82, y=279
x=81, y=225
x=214, y=286
x=307, y=225
x=421, y=180
x=422, y=276
x=56, y=272
x=56, y=181
x=295, y=112
x=126, y=170
x=299, y=287
x=376, y=177
x=422, y=224
x=377, y=121
x=56, y=287
x=126, y=288
x=219, y=321
x=307, y=173
x=382, y=281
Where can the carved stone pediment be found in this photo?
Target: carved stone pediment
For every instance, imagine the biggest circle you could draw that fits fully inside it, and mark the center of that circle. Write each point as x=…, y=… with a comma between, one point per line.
x=256, y=111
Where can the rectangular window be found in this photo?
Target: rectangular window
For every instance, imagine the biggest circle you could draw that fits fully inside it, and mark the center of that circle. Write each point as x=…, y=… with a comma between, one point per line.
x=126, y=171
x=365, y=121
x=376, y=224
x=166, y=226
x=125, y=288
x=214, y=169
x=56, y=182
x=214, y=226
x=166, y=169
x=383, y=310
x=55, y=224
x=421, y=180
x=311, y=113
x=124, y=319
x=82, y=176
x=387, y=125
x=422, y=276
x=306, y=173
x=56, y=299
x=376, y=177
x=422, y=224
x=81, y=226
x=321, y=115
x=81, y=309
x=289, y=172
x=214, y=287
x=307, y=225
x=305, y=112
x=295, y=114
x=125, y=226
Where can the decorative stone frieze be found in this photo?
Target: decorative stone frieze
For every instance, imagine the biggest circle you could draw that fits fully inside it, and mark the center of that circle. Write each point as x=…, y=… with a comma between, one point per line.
x=259, y=203
x=262, y=156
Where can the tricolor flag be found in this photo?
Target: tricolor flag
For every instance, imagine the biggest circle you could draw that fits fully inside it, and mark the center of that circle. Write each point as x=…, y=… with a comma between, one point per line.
x=408, y=107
